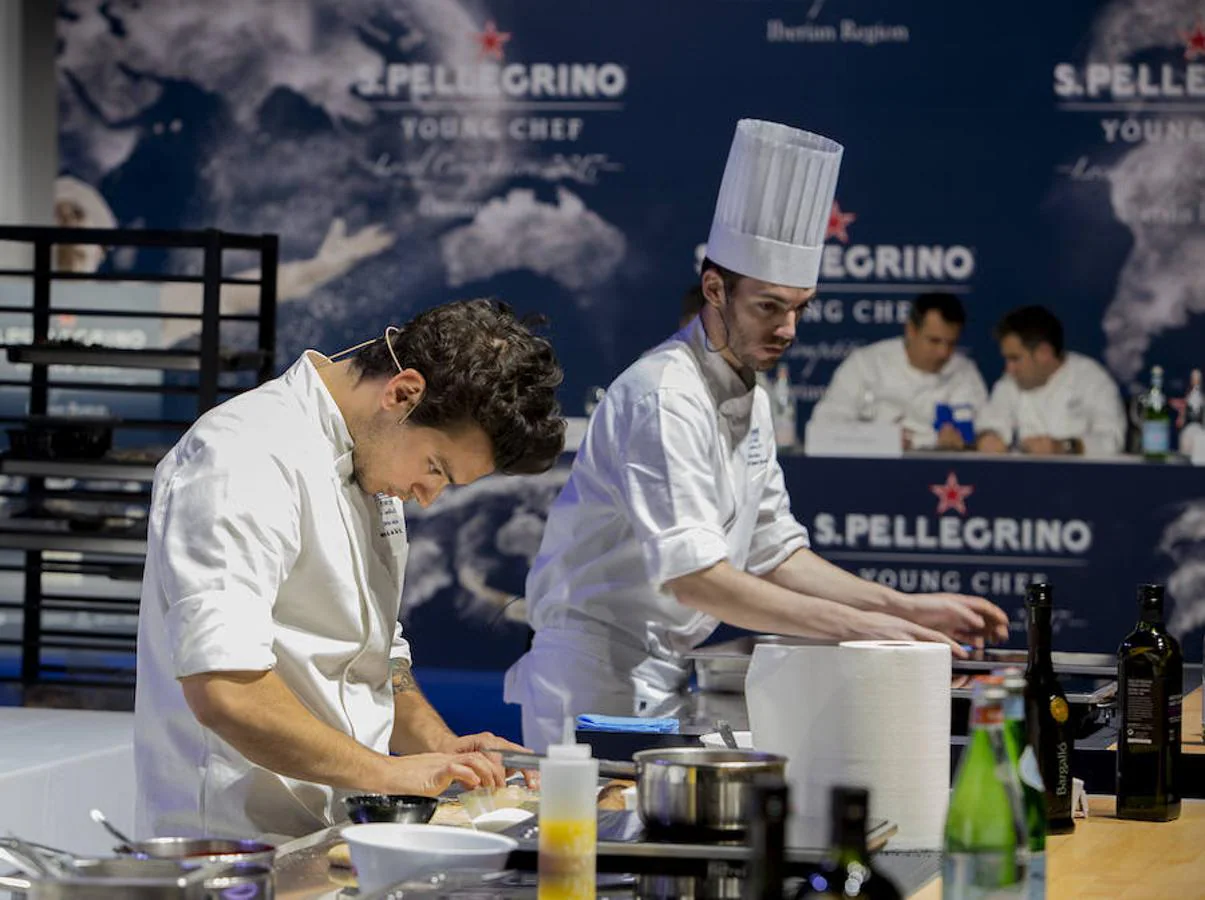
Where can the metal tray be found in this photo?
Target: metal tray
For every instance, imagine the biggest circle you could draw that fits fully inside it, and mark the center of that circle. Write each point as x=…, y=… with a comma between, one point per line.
x=721, y=668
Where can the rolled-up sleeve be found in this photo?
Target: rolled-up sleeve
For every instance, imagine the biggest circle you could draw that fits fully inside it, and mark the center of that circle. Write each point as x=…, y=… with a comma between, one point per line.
x=667, y=476
x=1106, y=431
x=400, y=648
x=778, y=533
x=228, y=537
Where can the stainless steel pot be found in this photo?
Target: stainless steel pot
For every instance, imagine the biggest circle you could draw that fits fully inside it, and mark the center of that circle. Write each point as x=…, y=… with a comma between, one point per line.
x=700, y=791
x=150, y=879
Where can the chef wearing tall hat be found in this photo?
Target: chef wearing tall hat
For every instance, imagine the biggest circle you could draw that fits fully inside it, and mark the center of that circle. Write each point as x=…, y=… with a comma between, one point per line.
x=675, y=516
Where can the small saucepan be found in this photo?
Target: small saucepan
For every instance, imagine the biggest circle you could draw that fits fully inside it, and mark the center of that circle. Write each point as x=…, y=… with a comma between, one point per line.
x=198, y=851
x=689, y=793
x=700, y=793
x=132, y=878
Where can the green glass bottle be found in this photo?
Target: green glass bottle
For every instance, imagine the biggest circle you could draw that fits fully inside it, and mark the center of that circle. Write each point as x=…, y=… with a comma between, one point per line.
x=1033, y=792
x=985, y=823
x=1156, y=419
x=1150, y=682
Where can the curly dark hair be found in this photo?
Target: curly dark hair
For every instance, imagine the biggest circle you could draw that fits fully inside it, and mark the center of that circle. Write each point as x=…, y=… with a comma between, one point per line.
x=482, y=365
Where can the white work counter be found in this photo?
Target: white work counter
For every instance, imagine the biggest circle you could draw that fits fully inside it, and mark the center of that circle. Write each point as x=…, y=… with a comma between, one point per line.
x=56, y=765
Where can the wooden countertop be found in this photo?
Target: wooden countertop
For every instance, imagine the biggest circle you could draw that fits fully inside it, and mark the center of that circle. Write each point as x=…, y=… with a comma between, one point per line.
x=1115, y=859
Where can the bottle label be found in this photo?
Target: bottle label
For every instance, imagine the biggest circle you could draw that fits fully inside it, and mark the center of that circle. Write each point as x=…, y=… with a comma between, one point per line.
x=1139, y=716
x=987, y=716
x=1062, y=780
x=981, y=875
x=1031, y=775
x=1175, y=705
x=1156, y=436
x=1035, y=877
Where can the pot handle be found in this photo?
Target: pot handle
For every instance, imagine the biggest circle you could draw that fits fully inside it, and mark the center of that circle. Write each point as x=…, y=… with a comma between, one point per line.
x=8, y=882
x=607, y=768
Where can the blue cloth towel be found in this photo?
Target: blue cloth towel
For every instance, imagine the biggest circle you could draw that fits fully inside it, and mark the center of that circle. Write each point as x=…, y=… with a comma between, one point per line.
x=592, y=722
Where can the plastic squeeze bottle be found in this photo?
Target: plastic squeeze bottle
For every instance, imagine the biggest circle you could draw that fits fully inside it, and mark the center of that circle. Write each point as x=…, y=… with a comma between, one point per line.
x=568, y=821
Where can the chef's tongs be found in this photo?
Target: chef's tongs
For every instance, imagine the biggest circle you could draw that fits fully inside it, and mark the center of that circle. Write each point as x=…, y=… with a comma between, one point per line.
x=607, y=768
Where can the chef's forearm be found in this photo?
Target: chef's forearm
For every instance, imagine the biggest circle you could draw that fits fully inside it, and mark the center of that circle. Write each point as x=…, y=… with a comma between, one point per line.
x=258, y=715
x=417, y=727
x=805, y=572
x=743, y=600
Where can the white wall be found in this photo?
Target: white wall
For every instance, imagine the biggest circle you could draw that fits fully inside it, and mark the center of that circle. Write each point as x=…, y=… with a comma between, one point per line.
x=28, y=117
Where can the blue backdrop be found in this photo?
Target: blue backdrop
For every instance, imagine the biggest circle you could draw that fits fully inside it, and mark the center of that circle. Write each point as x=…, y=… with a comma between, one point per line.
x=565, y=156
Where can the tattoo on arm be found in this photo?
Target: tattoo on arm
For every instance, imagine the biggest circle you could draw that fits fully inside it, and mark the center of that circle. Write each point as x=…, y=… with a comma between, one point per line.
x=401, y=676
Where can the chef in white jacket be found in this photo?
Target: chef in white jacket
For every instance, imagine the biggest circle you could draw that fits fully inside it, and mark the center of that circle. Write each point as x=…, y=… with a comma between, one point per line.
x=903, y=380
x=1049, y=400
x=675, y=516
x=273, y=678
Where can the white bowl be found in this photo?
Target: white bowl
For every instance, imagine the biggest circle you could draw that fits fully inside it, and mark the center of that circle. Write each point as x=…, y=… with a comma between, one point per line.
x=384, y=853
x=744, y=740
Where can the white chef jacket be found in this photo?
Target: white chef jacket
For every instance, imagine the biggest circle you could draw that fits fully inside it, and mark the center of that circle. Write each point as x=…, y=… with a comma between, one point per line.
x=677, y=472
x=262, y=553
x=1080, y=400
x=879, y=380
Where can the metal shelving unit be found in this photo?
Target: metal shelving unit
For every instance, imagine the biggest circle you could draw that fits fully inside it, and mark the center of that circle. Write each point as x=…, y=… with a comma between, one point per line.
x=169, y=360
x=48, y=547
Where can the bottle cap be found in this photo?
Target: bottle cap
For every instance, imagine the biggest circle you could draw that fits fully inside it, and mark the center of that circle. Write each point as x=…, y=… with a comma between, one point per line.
x=1040, y=594
x=1150, y=596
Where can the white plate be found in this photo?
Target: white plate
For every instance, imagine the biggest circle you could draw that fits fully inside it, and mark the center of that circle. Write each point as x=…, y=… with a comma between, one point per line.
x=501, y=819
x=384, y=853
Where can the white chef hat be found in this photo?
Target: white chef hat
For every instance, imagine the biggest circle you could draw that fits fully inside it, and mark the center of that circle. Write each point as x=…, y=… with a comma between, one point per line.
x=774, y=203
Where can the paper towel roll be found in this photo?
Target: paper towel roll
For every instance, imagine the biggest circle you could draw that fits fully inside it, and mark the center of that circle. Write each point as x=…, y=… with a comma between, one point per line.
x=873, y=714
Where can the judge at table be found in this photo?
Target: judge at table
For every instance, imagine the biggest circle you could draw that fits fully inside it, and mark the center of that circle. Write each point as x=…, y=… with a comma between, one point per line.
x=904, y=380
x=1049, y=400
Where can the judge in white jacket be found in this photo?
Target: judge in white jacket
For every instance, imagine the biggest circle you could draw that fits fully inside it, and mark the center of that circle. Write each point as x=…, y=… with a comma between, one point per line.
x=903, y=380
x=1049, y=400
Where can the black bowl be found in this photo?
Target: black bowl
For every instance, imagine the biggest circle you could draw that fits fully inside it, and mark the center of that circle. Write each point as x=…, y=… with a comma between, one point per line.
x=407, y=809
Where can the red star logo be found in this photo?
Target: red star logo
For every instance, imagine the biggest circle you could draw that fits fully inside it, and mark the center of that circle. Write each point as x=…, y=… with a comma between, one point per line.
x=1194, y=41
x=837, y=221
x=952, y=495
x=1180, y=405
x=491, y=41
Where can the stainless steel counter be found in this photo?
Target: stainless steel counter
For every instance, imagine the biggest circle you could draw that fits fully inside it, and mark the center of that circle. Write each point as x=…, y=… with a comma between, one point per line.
x=303, y=870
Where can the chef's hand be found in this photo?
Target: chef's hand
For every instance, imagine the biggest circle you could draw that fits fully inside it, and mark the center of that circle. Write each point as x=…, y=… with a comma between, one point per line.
x=430, y=774
x=990, y=442
x=966, y=619
x=950, y=438
x=1041, y=445
x=876, y=626
x=485, y=742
